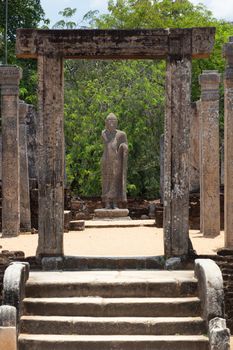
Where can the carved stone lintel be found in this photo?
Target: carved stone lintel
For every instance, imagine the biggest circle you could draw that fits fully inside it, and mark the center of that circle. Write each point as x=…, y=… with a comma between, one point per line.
x=116, y=44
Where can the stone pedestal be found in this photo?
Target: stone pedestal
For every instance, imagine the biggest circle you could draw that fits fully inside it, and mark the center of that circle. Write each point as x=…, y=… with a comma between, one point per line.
x=228, y=144
x=209, y=155
x=25, y=212
x=111, y=214
x=176, y=157
x=9, y=81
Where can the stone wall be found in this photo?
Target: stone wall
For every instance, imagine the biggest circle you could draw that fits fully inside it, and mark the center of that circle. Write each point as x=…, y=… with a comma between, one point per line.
x=194, y=211
x=83, y=208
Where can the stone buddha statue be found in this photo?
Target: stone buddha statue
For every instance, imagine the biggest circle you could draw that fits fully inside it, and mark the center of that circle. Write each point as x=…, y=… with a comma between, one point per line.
x=114, y=164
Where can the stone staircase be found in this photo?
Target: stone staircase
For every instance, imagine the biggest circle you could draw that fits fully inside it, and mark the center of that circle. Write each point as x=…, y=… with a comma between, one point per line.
x=112, y=310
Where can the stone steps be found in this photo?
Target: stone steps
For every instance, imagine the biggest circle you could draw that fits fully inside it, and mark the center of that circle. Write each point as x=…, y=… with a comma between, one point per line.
x=113, y=307
x=117, y=342
x=111, y=325
x=106, y=310
x=110, y=284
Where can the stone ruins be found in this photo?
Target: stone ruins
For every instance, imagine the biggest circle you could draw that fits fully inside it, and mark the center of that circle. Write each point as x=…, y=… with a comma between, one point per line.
x=178, y=47
x=33, y=154
x=190, y=154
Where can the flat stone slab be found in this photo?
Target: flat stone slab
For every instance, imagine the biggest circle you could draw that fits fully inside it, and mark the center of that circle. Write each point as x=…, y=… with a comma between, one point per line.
x=120, y=222
x=77, y=225
x=44, y=277
x=112, y=214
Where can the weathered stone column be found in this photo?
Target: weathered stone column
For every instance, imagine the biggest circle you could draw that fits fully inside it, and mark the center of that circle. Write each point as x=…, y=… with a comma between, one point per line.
x=25, y=212
x=161, y=161
x=176, y=154
x=9, y=81
x=228, y=144
x=32, y=145
x=209, y=162
x=194, y=177
x=51, y=156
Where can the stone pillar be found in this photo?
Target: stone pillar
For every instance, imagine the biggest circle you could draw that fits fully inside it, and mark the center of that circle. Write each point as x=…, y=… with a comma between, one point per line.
x=32, y=145
x=9, y=80
x=228, y=144
x=176, y=155
x=25, y=212
x=161, y=160
x=209, y=162
x=194, y=178
x=51, y=156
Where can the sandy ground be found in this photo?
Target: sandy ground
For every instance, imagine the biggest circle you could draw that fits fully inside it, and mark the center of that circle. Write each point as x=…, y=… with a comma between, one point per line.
x=127, y=241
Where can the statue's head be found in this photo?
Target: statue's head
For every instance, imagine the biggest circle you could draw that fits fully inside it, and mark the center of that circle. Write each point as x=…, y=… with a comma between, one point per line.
x=111, y=122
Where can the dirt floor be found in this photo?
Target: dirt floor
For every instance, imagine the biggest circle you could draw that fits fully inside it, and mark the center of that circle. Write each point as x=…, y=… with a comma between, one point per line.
x=127, y=241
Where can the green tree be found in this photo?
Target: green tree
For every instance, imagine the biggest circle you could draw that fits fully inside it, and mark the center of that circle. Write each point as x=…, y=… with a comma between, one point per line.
x=133, y=90
x=21, y=14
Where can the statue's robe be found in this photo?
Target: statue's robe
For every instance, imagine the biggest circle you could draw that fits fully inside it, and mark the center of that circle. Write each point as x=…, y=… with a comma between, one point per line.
x=114, y=166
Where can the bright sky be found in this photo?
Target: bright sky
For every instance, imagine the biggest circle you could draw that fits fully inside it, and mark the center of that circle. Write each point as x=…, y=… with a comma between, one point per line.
x=222, y=9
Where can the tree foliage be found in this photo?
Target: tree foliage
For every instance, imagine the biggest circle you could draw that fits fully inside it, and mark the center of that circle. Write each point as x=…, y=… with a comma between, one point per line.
x=133, y=90
x=21, y=14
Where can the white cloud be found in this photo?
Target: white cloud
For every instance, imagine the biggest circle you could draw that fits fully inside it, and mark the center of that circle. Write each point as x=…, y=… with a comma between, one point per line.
x=99, y=3
x=221, y=9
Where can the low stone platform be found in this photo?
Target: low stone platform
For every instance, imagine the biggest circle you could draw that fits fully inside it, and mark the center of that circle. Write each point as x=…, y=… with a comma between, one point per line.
x=118, y=223
x=111, y=214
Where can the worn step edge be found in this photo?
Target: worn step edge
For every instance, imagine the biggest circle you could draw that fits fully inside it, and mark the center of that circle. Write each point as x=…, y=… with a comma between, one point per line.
x=112, y=325
x=107, y=342
x=117, y=289
x=97, y=306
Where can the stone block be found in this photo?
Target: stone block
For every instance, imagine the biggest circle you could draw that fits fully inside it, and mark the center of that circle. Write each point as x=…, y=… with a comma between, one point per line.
x=8, y=316
x=77, y=225
x=219, y=334
x=173, y=263
x=53, y=263
x=111, y=213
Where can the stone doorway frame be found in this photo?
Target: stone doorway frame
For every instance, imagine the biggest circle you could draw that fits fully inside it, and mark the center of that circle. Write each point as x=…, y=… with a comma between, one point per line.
x=50, y=48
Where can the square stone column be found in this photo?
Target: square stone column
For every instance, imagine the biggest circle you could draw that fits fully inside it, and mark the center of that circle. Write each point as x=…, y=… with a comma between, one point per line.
x=209, y=162
x=25, y=212
x=161, y=161
x=194, y=178
x=228, y=144
x=176, y=156
x=51, y=155
x=9, y=81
